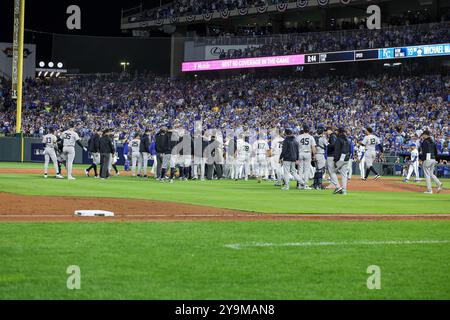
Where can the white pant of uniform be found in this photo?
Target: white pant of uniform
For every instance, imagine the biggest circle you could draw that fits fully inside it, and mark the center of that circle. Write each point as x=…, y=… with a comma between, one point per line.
x=199, y=162
x=342, y=168
x=276, y=167
x=95, y=158
x=428, y=171
x=145, y=158
x=290, y=170
x=362, y=168
x=136, y=160
x=304, y=166
x=332, y=171
x=243, y=168
x=69, y=153
x=321, y=163
x=350, y=168
x=155, y=165
x=261, y=166
x=370, y=158
x=413, y=167
x=49, y=153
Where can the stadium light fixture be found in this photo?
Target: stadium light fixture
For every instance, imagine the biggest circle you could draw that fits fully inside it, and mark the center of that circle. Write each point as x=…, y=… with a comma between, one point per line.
x=46, y=73
x=57, y=74
x=51, y=64
x=42, y=64
x=60, y=65
x=40, y=73
x=124, y=65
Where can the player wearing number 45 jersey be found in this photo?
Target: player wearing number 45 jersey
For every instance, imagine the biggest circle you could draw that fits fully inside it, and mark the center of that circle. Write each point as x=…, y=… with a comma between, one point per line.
x=370, y=142
x=307, y=151
x=50, y=141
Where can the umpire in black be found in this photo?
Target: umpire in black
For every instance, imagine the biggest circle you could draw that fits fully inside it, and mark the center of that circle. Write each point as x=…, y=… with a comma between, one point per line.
x=144, y=149
x=106, y=148
x=94, y=149
x=341, y=160
x=162, y=147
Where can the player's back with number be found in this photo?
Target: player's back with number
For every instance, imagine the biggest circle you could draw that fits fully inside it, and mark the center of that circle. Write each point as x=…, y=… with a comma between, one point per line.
x=306, y=143
x=70, y=138
x=277, y=147
x=49, y=140
x=370, y=142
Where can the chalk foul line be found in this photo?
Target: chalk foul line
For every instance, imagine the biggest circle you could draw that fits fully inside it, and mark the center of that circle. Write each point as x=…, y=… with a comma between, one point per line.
x=238, y=246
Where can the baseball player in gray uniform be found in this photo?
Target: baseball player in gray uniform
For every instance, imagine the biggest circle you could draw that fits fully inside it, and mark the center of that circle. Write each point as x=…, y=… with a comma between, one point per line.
x=307, y=150
x=370, y=142
x=49, y=153
x=321, y=147
x=70, y=138
x=136, y=155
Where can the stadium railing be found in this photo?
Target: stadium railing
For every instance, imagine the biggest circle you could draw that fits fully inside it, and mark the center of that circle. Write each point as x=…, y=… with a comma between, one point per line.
x=339, y=35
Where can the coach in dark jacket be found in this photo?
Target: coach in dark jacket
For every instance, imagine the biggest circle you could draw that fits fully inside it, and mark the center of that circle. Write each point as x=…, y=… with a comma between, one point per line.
x=106, y=148
x=214, y=159
x=94, y=149
x=144, y=149
x=341, y=158
x=162, y=147
x=289, y=157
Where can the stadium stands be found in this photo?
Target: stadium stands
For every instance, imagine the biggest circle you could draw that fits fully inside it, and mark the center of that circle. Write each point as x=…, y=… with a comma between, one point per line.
x=295, y=43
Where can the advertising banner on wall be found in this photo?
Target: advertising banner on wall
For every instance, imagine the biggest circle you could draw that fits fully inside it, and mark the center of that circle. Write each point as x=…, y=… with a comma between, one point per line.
x=29, y=59
x=214, y=52
x=37, y=152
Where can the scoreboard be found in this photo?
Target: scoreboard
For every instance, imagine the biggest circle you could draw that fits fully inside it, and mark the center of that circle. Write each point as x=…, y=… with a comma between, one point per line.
x=379, y=54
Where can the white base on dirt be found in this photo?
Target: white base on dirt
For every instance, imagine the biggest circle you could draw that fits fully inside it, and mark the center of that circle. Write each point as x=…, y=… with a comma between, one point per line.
x=93, y=213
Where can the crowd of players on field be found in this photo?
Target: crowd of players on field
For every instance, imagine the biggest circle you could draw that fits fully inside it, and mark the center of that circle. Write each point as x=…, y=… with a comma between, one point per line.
x=279, y=155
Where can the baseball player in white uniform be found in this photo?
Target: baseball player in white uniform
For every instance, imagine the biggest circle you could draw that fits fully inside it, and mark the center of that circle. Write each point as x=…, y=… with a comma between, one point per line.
x=413, y=165
x=244, y=151
x=49, y=153
x=370, y=142
x=136, y=155
x=307, y=151
x=261, y=149
x=276, y=149
x=361, y=153
x=70, y=138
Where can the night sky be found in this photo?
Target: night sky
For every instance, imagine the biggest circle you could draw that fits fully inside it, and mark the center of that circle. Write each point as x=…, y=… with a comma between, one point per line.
x=98, y=18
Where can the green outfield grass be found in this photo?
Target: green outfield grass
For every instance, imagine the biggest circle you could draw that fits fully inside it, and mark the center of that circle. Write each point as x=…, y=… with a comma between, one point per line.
x=190, y=260
x=241, y=195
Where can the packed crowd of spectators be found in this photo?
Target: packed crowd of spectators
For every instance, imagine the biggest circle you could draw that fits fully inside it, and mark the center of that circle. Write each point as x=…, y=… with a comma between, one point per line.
x=337, y=40
x=180, y=8
x=398, y=108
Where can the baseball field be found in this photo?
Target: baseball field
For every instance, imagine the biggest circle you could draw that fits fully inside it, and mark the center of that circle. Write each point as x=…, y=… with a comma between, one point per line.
x=220, y=239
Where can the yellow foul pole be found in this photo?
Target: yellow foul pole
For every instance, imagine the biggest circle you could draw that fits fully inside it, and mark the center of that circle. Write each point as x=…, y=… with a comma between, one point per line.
x=17, y=68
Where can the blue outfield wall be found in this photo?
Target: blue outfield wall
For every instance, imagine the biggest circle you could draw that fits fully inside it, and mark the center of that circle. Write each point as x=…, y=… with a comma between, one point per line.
x=10, y=151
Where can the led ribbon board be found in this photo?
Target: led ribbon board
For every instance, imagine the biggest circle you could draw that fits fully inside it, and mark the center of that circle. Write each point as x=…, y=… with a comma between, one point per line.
x=319, y=58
